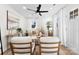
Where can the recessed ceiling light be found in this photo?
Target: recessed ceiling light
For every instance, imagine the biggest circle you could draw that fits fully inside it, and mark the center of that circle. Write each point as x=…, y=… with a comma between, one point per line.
x=51, y=8
x=24, y=7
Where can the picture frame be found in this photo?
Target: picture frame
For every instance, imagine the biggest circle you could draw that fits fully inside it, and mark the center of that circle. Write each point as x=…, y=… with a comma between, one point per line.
x=12, y=22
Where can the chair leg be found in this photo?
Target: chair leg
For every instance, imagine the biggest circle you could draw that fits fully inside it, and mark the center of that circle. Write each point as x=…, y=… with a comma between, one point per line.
x=58, y=48
x=1, y=52
x=31, y=49
x=58, y=53
x=39, y=49
x=11, y=49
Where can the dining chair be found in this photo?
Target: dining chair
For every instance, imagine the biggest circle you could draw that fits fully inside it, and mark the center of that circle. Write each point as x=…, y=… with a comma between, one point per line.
x=21, y=45
x=49, y=46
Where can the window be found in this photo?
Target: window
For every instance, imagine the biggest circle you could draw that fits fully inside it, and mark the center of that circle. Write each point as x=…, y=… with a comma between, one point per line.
x=74, y=14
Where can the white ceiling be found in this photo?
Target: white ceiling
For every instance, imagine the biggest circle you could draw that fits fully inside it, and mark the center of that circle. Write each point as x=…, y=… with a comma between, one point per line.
x=26, y=13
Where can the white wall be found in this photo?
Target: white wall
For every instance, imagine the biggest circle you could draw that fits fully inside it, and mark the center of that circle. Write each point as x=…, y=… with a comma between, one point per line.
x=26, y=24
x=58, y=25
x=3, y=22
x=72, y=28
x=40, y=23
x=68, y=29
x=43, y=23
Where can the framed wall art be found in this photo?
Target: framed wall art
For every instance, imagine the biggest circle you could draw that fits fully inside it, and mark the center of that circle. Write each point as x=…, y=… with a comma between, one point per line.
x=12, y=21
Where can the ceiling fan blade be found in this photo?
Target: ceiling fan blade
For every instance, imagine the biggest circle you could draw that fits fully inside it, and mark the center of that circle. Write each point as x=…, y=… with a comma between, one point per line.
x=31, y=9
x=30, y=12
x=43, y=11
x=40, y=14
x=38, y=8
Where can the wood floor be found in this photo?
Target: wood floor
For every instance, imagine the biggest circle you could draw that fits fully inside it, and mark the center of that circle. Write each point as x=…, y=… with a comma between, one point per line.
x=63, y=51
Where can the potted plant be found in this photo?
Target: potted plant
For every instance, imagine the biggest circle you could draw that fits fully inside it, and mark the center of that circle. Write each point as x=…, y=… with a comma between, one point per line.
x=48, y=25
x=26, y=33
x=19, y=31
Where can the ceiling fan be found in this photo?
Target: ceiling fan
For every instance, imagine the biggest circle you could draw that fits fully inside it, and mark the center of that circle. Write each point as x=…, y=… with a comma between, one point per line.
x=38, y=10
